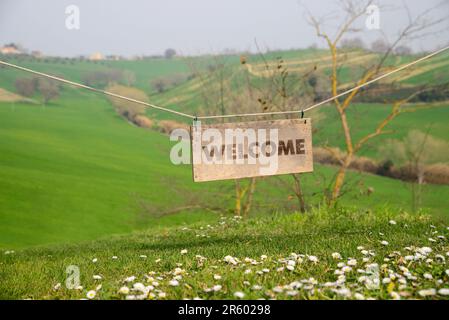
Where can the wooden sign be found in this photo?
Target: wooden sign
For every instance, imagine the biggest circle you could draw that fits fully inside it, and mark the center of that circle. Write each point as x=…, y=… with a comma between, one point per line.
x=251, y=149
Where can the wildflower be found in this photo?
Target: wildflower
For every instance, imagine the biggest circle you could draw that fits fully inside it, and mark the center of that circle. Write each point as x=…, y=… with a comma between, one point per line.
x=256, y=287
x=392, y=222
x=290, y=268
x=291, y=293
x=217, y=277
x=98, y=288
x=359, y=296
x=447, y=272
x=91, y=294
x=94, y=260
x=336, y=256
x=162, y=295
x=114, y=257
x=395, y=295
x=340, y=265
x=239, y=295
x=143, y=256
x=173, y=283
x=97, y=277
x=263, y=257
x=346, y=269
x=427, y=292
x=216, y=288
x=230, y=260
x=384, y=243
x=313, y=259
x=432, y=240
x=291, y=263
x=345, y=292
x=386, y=280
x=265, y=270
x=352, y=262
x=364, y=252
x=428, y=276
x=425, y=250
x=444, y=292
x=246, y=283
x=139, y=286
x=57, y=286
x=278, y=289
x=178, y=271
x=184, y=251
x=130, y=279
x=247, y=271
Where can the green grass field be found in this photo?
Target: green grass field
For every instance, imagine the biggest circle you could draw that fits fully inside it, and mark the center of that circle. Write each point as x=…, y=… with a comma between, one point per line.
x=325, y=254
x=73, y=172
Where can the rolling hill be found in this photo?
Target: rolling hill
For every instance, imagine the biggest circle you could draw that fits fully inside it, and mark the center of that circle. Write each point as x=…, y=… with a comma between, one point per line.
x=74, y=170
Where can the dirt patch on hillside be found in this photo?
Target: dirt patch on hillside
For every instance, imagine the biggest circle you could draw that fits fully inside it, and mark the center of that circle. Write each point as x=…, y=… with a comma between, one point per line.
x=7, y=96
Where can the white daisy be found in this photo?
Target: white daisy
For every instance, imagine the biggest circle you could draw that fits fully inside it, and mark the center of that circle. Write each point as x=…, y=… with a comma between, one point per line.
x=173, y=283
x=428, y=276
x=291, y=293
x=97, y=277
x=395, y=295
x=184, y=251
x=57, y=286
x=114, y=257
x=313, y=259
x=94, y=260
x=217, y=287
x=263, y=257
x=217, y=277
x=130, y=279
x=124, y=290
x=239, y=295
x=359, y=296
x=427, y=292
x=443, y=292
x=352, y=262
x=392, y=222
x=91, y=294
x=384, y=243
x=336, y=256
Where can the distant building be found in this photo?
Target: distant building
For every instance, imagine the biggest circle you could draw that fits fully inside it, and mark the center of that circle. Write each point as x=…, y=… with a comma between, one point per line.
x=10, y=49
x=96, y=56
x=37, y=54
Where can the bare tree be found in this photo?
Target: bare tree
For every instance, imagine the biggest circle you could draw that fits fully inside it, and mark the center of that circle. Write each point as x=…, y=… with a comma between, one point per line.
x=354, y=10
x=417, y=151
x=49, y=89
x=26, y=87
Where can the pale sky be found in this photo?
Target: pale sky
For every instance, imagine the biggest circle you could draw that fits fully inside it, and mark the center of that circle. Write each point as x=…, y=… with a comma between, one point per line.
x=136, y=27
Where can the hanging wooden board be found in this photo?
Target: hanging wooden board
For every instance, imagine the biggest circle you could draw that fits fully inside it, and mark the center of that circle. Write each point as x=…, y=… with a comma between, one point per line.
x=251, y=149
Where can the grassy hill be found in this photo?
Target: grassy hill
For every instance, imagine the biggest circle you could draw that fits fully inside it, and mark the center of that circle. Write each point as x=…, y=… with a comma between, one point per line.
x=325, y=254
x=74, y=170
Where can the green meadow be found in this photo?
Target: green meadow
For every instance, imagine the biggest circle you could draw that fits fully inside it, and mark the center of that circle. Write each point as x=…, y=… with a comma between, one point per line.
x=74, y=170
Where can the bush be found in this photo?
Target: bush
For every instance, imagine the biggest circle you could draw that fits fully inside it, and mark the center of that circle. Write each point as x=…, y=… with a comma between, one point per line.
x=26, y=87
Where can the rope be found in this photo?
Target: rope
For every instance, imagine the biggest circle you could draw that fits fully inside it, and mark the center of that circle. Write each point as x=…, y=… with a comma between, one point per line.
x=241, y=115
x=79, y=85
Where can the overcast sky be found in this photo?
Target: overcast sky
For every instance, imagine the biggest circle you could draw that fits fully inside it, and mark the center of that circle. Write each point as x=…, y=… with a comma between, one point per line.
x=136, y=27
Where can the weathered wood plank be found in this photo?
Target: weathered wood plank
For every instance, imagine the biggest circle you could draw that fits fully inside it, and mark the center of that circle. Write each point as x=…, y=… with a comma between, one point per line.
x=251, y=149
